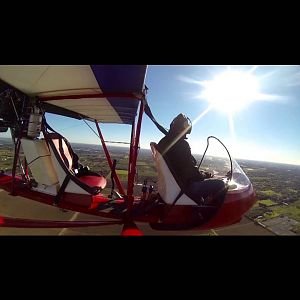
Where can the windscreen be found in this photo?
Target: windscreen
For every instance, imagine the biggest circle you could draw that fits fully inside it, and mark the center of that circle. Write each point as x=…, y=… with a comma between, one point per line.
x=216, y=161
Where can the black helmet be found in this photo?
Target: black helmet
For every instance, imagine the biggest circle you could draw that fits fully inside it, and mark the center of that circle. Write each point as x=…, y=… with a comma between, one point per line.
x=181, y=124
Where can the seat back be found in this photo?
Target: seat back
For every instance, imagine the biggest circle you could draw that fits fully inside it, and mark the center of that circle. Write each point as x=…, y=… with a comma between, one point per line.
x=61, y=156
x=168, y=186
x=39, y=161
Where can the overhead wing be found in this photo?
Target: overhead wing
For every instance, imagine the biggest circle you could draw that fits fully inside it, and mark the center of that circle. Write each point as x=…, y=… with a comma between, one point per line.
x=106, y=93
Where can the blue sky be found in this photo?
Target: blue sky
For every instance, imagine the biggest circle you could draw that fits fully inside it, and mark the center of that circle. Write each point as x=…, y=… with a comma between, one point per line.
x=267, y=129
x=263, y=130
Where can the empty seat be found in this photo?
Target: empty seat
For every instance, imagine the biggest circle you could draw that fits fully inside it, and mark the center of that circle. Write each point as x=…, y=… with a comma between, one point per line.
x=63, y=159
x=39, y=161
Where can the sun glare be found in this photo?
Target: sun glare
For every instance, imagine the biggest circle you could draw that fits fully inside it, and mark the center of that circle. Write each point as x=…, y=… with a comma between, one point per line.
x=231, y=91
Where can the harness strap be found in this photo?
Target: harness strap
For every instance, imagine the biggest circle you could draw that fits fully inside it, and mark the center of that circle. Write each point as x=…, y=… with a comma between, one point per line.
x=62, y=189
x=148, y=112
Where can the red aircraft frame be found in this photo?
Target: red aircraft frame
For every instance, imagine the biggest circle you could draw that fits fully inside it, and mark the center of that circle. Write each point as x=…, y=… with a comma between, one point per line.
x=236, y=203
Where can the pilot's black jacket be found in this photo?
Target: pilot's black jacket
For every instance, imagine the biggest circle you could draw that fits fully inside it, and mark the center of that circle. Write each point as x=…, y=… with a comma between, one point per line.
x=179, y=159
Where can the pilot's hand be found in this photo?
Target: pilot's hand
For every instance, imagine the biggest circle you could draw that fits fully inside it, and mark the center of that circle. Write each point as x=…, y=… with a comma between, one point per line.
x=205, y=175
x=208, y=175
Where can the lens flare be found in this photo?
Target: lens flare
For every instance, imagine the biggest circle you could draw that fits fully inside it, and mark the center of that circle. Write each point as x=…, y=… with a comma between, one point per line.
x=231, y=91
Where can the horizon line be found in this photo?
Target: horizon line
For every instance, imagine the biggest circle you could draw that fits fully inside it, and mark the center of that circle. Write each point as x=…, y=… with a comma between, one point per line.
x=127, y=146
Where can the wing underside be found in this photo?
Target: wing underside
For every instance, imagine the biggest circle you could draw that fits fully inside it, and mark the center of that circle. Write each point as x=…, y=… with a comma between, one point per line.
x=105, y=93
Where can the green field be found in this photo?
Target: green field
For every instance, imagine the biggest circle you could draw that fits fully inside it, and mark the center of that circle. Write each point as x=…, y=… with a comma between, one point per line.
x=270, y=193
x=142, y=163
x=271, y=215
x=122, y=172
x=6, y=159
x=267, y=202
x=292, y=211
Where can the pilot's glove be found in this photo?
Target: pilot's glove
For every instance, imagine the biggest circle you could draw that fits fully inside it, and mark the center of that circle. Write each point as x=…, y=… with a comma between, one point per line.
x=205, y=175
x=208, y=175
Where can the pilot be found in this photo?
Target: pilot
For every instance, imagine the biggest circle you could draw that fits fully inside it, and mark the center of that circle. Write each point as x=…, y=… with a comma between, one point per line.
x=177, y=153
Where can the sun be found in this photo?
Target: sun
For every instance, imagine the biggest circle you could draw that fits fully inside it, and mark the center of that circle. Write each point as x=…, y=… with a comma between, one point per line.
x=231, y=91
